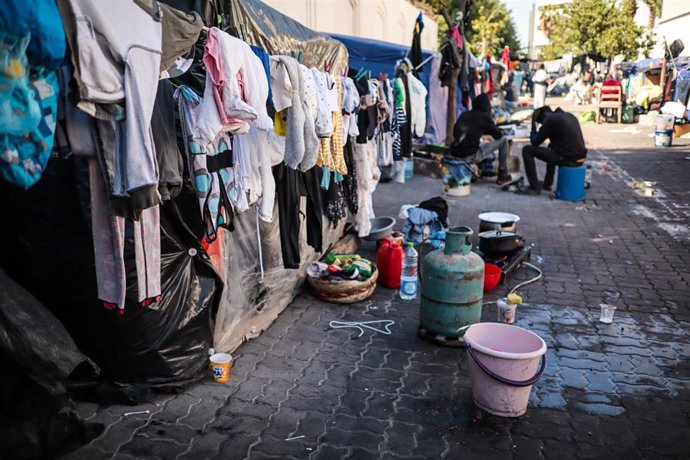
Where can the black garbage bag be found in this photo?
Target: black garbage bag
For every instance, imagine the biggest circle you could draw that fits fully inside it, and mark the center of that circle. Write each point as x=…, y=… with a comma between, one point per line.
x=37, y=355
x=46, y=246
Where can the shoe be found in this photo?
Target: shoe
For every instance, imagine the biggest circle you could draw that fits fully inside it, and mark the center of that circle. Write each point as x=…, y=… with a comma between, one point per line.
x=503, y=180
x=546, y=188
x=506, y=182
x=526, y=190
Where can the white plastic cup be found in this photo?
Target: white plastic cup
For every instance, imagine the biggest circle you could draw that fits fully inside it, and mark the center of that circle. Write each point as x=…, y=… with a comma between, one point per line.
x=506, y=311
x=607, y=311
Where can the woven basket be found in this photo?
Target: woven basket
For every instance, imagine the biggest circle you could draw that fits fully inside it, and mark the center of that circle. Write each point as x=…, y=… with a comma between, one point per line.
x=346, y=291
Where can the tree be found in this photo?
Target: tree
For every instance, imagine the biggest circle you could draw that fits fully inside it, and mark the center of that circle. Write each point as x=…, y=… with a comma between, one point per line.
x=654, y=11
x=596, y=27
x=491, y=25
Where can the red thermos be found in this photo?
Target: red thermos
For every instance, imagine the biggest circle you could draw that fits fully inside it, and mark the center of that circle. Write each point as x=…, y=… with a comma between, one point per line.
x=389, y=259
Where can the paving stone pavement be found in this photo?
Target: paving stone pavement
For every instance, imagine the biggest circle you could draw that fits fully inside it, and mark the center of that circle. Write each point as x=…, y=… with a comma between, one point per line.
x=619, y=391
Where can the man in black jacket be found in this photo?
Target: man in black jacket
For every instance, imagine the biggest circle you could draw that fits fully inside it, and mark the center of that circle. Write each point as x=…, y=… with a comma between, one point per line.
x=566, y=146
x=467, y=134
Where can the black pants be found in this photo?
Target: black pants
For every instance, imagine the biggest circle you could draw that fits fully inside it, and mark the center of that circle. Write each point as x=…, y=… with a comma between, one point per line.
x=552, y=159
x=291, y=185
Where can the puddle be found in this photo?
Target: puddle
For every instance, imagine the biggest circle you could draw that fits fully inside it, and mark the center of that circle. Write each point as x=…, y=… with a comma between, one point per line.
x=675, y=229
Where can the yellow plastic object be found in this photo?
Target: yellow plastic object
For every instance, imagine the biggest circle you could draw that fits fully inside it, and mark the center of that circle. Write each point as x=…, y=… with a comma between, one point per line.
x=279, y=124
x=14, y=69
x=514, y=299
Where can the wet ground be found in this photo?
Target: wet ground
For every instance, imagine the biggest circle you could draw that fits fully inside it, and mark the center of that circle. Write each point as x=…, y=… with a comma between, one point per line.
x=618, y=391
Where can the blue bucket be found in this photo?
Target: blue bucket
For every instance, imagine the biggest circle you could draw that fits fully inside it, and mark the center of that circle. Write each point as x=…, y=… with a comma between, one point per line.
x=571, y=183
x=409, y=168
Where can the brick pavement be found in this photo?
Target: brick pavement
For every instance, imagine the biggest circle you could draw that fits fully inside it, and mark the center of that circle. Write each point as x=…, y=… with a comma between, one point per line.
x=610, y=391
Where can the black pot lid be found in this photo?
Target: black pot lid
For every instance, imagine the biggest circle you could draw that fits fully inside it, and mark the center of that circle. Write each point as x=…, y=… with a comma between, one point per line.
x=499, y=217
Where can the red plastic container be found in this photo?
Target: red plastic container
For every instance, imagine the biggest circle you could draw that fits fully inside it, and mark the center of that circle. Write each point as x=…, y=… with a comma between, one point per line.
x=492, y=276
x=389, y=259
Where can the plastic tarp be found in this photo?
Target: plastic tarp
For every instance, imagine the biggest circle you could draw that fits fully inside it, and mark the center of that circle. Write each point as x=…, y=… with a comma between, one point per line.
x=258, y=24
x=37, y=355
x=379, y=56
x=46, y=245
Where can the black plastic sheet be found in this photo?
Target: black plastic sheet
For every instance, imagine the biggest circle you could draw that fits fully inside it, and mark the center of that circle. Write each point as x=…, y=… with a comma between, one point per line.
x=37, y=355
x=46, y=245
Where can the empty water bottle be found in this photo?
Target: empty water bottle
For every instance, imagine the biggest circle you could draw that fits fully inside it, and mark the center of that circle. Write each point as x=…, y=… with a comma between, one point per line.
x=408, y=279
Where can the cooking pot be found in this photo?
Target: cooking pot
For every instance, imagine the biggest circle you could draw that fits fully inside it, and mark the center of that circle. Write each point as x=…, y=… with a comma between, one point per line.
x=504, y=221
x=499, y=242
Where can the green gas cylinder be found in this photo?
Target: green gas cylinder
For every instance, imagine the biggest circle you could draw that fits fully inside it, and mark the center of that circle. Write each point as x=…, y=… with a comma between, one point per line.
x=452, y=289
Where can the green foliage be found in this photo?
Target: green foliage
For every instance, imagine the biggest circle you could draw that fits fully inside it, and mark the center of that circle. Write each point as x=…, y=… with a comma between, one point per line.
x=654, y=6
x=491, y=25
x=593, y=26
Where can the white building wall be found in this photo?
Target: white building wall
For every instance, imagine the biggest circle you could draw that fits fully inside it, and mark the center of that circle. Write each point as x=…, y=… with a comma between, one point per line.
x=537, y=39
x=388, y=20
x=673, y=23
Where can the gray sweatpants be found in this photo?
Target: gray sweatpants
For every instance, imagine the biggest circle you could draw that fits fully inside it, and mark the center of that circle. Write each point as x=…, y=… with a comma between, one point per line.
x=487, y=148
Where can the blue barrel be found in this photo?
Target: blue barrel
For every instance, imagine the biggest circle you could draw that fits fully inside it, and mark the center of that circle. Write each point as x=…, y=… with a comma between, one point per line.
x=571, y=183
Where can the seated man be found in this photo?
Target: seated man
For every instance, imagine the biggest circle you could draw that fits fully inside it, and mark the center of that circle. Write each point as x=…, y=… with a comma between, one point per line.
x=566, y=147
x=467, y=134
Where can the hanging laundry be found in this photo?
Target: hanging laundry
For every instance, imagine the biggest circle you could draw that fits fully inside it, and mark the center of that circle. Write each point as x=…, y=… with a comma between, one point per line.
x=170, y=160
x=291, y=185
x=367, y=178
x=399, y=120
x=33, y=48
x=180, y=32
x=236, y=88
x=350, y=181
x=109, y=242
x=350, y=103
x=301, y=141
x=338, y=164
x=214, y=179
x=417, y=96
x=324, y=118
x=116, y=53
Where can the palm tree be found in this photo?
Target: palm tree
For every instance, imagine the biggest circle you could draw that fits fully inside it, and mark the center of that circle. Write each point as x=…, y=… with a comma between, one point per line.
x=654, y=11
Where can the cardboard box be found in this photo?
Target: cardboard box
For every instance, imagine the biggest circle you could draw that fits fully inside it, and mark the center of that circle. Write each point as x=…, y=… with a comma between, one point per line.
x=680, y=130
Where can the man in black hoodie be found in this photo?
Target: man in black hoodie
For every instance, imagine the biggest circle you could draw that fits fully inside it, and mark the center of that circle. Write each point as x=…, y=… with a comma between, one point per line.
x=467, y=134
x=566, y=146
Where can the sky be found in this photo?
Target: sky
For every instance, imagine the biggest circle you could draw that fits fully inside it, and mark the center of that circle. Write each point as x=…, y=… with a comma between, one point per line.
x=520, y=10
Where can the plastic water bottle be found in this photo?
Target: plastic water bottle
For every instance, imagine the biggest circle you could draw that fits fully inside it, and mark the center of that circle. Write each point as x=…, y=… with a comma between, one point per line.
x=408, y=279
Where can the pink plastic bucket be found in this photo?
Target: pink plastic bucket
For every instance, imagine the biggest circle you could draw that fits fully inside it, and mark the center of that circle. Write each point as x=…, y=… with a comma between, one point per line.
x=504, y=362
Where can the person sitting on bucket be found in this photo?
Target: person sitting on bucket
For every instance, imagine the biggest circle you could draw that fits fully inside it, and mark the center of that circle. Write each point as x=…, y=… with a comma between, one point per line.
x=467, y=133
x=566, y=147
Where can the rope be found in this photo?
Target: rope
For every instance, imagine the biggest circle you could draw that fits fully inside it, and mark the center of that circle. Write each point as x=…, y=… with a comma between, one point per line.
x=363, y=324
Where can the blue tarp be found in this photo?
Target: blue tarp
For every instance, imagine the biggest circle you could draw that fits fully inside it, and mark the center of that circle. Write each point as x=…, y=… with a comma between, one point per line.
x=647, y=64
x=379, y=56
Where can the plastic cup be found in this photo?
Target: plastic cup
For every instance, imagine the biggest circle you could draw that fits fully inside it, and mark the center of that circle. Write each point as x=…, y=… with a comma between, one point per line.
x=606, y=315
x=220, y=366
x=506, y=312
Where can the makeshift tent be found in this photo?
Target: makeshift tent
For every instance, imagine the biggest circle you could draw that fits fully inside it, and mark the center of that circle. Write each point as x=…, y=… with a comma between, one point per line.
x=258, y=24
x=379, y=56
x=46, y=246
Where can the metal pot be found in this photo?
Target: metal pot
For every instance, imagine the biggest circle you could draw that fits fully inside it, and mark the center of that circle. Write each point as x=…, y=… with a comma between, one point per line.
x=499, y=242
x=503, y=221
